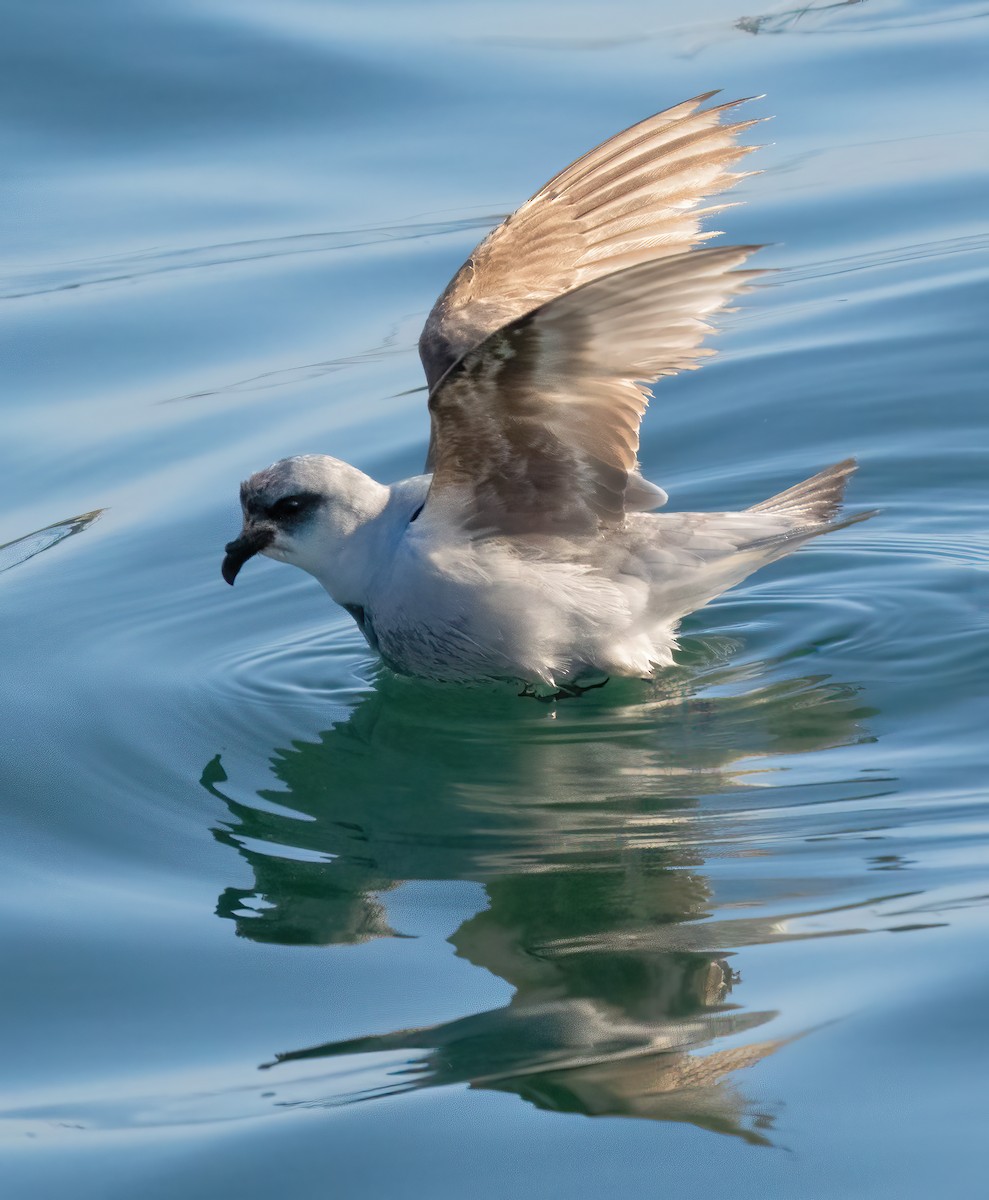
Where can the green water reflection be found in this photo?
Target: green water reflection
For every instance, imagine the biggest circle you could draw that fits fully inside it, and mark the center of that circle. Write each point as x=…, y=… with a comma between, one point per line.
x=582, y=823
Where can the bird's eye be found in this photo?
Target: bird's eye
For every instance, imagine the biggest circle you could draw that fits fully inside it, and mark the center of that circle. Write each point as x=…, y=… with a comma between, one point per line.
x=289, y=505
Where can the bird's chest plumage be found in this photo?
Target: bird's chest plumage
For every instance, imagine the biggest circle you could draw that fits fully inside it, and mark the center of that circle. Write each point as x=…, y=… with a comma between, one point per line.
x=364, y=623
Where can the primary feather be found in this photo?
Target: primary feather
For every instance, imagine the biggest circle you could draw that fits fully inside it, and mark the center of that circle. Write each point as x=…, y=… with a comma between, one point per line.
x=632, y=199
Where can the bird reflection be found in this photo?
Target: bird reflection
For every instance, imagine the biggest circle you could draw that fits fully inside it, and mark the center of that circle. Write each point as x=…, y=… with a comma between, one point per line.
x=580, y=830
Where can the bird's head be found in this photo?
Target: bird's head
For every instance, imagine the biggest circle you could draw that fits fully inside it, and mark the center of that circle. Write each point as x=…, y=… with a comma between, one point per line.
x=299, y=510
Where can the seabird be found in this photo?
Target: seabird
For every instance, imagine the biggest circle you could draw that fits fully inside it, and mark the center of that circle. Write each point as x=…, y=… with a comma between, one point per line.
x=529, y=549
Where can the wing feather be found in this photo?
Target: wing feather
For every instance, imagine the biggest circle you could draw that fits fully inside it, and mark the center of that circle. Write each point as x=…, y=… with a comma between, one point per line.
x=536, y=430
x=632, y=199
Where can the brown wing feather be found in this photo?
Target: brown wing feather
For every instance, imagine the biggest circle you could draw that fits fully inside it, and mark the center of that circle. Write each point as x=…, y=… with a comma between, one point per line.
x=632, y=199
x=536, y=430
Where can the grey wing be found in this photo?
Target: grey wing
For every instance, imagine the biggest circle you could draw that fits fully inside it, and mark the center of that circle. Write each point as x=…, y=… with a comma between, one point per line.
x=632, y=199
x=536, y=430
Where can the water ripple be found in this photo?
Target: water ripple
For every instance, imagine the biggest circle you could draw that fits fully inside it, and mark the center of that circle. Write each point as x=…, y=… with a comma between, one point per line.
x=12, y=554
x=129, y=268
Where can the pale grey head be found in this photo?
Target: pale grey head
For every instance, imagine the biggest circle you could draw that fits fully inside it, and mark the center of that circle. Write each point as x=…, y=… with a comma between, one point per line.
x=294, y=510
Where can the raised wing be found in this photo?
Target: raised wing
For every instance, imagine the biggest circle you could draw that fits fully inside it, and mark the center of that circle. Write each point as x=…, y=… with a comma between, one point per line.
x=536, y=430
x=632, y=199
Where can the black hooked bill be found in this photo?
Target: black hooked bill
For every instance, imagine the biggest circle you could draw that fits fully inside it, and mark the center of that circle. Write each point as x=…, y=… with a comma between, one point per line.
x=250, y=542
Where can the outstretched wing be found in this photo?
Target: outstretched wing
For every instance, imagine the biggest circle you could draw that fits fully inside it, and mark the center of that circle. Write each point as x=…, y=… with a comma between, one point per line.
x=632, y=199
x=536, y=430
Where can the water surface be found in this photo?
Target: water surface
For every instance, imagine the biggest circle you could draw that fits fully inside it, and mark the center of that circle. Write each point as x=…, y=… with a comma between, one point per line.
x=276, y=921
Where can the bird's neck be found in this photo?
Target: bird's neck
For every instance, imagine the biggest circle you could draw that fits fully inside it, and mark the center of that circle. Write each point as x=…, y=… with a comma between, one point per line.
x=362, y=537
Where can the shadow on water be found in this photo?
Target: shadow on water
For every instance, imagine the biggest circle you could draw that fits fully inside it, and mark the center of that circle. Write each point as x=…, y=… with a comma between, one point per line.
x=582, y=824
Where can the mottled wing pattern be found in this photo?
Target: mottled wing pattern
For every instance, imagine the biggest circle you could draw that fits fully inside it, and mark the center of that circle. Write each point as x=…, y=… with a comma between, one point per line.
x=536, y=430
x=630, y=200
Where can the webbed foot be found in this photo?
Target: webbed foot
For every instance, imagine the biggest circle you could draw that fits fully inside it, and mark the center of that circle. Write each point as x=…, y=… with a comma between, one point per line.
x=566, y=691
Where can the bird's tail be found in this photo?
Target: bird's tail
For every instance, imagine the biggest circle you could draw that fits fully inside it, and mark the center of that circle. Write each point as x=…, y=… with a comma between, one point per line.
x=812, y=507
x=712, y=552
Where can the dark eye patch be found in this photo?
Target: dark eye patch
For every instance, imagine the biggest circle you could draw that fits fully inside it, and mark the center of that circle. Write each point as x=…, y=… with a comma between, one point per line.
x=289, y=507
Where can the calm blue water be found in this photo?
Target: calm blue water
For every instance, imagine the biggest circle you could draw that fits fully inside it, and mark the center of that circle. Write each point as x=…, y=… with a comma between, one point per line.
x=722, y=933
